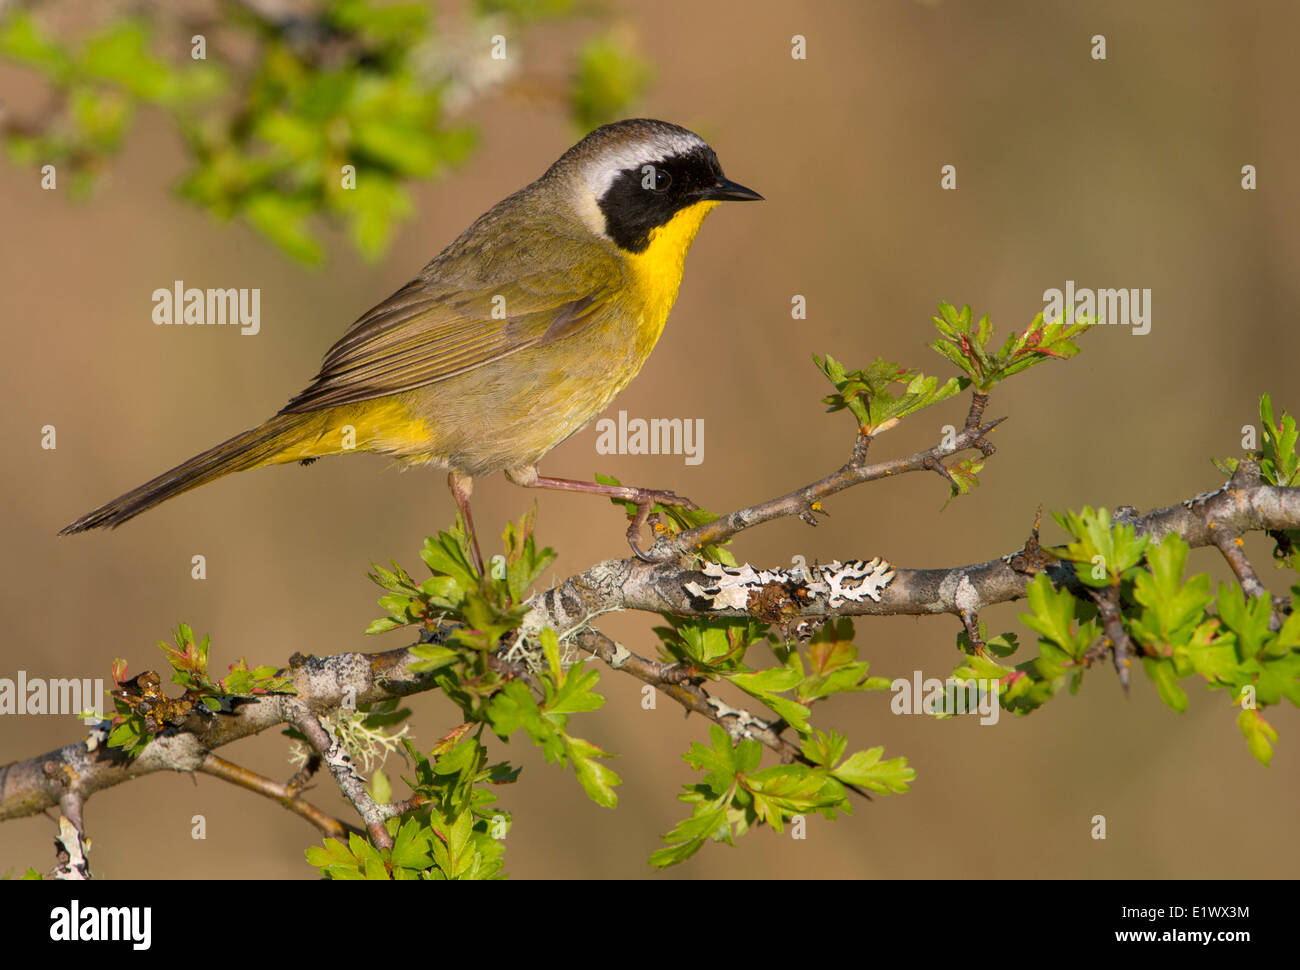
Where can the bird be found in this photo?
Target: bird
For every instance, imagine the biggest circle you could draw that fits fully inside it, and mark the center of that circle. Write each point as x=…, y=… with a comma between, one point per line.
x=510, y=340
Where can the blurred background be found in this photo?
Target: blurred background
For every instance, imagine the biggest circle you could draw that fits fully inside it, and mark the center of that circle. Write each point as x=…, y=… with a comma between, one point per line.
x=1124, y=172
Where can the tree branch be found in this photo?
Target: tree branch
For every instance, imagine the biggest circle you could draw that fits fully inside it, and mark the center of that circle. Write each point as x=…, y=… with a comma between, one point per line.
x=68, y=776
x=1242, y=505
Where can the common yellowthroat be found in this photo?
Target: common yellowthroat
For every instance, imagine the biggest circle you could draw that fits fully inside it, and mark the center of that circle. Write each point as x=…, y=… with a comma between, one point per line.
x=511, y=339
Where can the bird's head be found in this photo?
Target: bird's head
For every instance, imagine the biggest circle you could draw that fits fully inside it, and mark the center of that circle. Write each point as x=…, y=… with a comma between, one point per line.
x=629, y=178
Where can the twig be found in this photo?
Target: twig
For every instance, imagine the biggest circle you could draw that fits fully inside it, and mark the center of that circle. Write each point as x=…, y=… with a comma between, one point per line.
x=1116, y=637
x=350, y=782
x=854, y=473
x=1227, y=539
x=668, y=679
x=286, y=795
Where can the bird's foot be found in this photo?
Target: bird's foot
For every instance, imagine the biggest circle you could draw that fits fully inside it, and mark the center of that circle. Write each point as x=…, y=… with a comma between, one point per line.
x=646, y=499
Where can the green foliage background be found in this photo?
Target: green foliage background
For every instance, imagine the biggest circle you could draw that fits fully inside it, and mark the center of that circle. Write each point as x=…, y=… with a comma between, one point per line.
x=326, y=118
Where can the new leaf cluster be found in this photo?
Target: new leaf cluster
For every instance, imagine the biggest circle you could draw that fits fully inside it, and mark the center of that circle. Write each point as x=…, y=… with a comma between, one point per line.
x=282, y=101
x=1181, y=626
x=143, y=711
x=470, y=632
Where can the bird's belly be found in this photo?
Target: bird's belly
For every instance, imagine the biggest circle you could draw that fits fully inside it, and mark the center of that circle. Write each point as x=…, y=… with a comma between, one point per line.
x=509, y=412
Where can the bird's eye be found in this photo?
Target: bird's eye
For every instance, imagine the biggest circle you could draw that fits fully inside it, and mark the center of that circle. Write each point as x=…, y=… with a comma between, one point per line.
x=654, y=178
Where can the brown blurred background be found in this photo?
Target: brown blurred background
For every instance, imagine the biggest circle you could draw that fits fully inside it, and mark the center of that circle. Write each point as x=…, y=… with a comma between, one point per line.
x=1124, y=172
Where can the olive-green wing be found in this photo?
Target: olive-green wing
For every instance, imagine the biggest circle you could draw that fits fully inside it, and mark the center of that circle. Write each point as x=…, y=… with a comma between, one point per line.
x=455, y=317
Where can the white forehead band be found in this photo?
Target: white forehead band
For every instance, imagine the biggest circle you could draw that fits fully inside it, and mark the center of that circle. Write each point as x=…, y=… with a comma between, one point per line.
x=599, y=173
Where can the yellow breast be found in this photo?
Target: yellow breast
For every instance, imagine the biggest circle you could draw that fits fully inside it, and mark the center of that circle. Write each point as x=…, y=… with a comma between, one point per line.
x=655, y=273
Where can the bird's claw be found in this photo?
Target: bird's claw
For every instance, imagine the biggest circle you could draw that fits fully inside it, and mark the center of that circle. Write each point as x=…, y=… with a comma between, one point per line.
x=646, y=499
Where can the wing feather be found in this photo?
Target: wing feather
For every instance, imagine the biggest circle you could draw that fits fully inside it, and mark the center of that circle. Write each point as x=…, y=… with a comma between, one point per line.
x=442, y=323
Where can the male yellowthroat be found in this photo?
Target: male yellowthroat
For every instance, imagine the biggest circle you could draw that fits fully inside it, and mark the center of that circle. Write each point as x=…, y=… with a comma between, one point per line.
x=513, y=338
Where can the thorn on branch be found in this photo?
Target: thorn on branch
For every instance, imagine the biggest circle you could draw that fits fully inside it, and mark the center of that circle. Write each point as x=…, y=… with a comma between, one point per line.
x=809, y=513
x=1124, y=515
x=935, y=465
x=1031, y=558
x=1245, y=475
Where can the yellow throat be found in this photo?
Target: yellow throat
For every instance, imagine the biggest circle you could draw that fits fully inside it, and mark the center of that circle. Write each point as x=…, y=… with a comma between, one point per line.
x=656, y=272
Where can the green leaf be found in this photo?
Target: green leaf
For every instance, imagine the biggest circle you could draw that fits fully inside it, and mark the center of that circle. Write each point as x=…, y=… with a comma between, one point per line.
x=964, y=475
x=780, y=791
x=1164, y=675
x=597, y=780
x=866, y=393
x=967, y=345
x=709, y=643
x=23, y=41
x=574, y=694
x=1212, y=656
x=866, y=770
x=448, y=555
x=381, y=790
x=382, y=625
x=387, y=24
x=120, y=53
x=835, y=668
x=1171, y=610
x=610, y=76
x=1277, y=678
x=411, y=846
x=1101, y=551
x=332, y=853
x=432, y=657
x=1259, y=735
x=1279, y=464
x=1053, y=613
x=766, y=685
x=407, y=149
x=1248, y=620
x=823, y=748
x=525, y=563
x=283, y=220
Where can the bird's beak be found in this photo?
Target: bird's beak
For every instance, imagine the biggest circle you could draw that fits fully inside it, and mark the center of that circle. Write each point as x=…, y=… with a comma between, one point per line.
x=725, y=190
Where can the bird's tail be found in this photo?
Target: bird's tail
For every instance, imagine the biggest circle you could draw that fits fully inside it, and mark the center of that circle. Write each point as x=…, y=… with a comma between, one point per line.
x=286, y=437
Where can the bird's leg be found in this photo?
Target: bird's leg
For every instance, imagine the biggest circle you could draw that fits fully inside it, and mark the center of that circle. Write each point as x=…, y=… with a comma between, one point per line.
x=462, y=486
x=645, y=498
